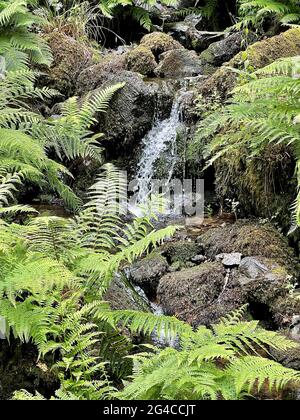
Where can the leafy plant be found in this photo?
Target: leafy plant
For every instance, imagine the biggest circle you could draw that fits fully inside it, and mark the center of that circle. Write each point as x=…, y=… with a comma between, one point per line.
x=139, y=10
x=224, y=362
x=255, y=12
x=19, y=43
x=54, y=275
x=263, y=111
x=70, y=135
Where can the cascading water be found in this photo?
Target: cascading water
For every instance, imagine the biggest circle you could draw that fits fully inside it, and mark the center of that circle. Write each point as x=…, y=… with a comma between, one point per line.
x=161, y=138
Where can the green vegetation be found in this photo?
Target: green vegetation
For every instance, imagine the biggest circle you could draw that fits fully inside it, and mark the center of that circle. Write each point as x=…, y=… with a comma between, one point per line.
x=254, y=118
x=57, y=272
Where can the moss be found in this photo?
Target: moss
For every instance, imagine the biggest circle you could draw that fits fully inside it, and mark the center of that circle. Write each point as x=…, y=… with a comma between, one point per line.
x=257, y=56
x=265, y=52
x=264, y=185
x=141, y=60
x=250, y=239
x=159, y=42
x=70, y=57
x=180, y=252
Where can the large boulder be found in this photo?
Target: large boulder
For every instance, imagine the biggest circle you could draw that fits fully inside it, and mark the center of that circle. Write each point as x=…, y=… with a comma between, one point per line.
x=248, y=238
x=221, y=52
x=141, y=60
x=178, y=64
x=147, y=273
x=94, y=76
x=70, y=58
x=258, y=55
x=131, y=112
x=204, y=294
x=249, y=264
x=193, y=294
x=159, y=42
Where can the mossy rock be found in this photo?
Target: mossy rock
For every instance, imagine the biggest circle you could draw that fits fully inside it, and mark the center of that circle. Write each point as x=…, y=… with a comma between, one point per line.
x=70, y=58
x=264, y=186
x=179, y=63
x=258, y=55
x=159, y=42
x=180, y=252
x=94, y=76
x=192, y=294
x=141, y=60
x=249, y=238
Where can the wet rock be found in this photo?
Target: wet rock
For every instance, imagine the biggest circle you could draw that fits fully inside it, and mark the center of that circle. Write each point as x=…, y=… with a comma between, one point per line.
x=159, y=42
x=180, y=252
x=120, y=296
x=94, y=76
x=179, y=63
x=221, y=52
x=141, y=60
x=233, y=259
x=147, y=273
x=70, y=58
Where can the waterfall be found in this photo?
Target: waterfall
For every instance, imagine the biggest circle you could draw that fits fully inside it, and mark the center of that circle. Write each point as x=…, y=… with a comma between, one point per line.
x=160, y=139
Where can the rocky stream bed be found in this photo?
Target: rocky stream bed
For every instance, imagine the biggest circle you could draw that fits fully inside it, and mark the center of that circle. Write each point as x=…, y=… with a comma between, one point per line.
x=210, y=268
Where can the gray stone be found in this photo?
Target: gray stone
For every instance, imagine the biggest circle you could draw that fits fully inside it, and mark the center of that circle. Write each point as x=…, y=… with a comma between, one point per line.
x=179, y=63
x=252, y=267
x=198, y=259
x=147, y=273
x=230, y=260
x=222, y=51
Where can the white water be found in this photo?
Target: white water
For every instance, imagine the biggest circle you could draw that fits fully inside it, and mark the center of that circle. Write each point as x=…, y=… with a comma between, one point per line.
x=161, y=138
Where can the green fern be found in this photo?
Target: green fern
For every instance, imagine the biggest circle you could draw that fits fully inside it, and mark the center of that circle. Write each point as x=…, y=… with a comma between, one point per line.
x=262, y=112
x=210, y=363
x=255, y=12
x=19, y=45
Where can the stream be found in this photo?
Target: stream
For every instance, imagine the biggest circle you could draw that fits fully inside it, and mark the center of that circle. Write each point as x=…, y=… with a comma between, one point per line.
x=160, y=139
